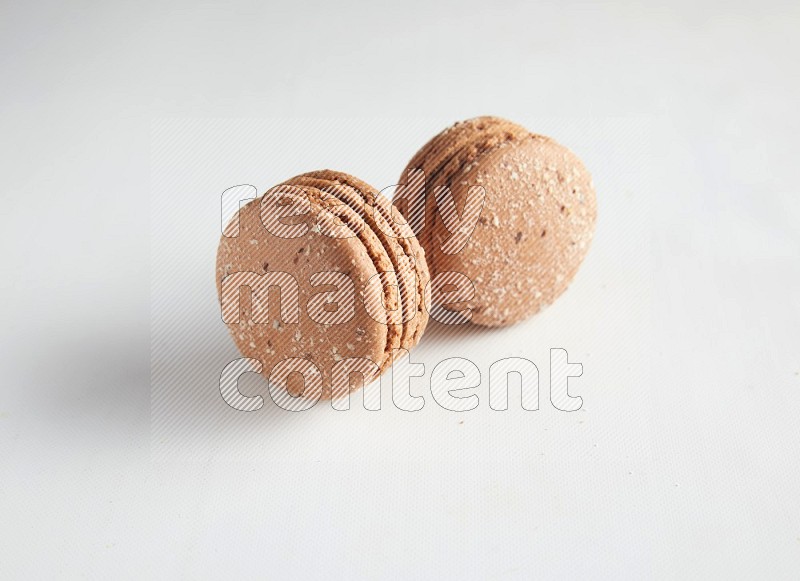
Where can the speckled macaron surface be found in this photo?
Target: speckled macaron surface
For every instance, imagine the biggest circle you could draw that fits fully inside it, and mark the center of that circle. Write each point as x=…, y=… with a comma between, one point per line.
x=532, y=230
x=323, y=242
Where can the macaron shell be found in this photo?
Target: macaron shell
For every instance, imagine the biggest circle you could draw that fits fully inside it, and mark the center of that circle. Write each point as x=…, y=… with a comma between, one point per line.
x=257, y=250
x=533, y=233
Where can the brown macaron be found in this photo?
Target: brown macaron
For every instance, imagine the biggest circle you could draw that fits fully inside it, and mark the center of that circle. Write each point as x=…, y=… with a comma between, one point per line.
x=525, y=214
x=351, y=284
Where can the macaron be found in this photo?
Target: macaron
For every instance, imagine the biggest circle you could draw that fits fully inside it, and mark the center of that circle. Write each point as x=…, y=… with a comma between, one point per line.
x=521, y=218
x=335, y=284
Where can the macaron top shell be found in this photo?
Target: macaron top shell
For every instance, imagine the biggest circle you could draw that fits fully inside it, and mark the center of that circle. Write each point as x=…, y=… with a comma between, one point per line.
x=534, y=228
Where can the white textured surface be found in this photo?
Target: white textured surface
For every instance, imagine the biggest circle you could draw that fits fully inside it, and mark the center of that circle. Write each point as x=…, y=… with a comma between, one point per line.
x=686, y=317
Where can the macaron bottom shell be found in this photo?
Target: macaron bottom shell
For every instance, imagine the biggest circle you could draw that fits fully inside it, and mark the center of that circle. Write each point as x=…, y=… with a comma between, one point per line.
x=529, y=241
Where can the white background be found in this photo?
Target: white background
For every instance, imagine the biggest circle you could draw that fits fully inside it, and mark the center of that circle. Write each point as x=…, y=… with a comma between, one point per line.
x=683, y=461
